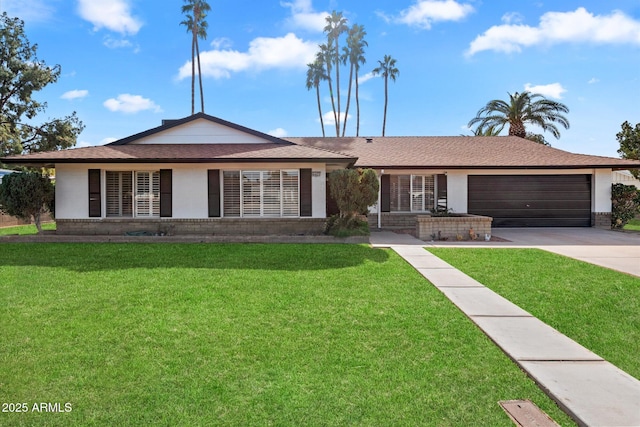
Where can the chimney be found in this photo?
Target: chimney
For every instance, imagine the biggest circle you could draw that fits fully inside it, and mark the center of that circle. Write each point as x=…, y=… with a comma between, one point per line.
x=369, y=140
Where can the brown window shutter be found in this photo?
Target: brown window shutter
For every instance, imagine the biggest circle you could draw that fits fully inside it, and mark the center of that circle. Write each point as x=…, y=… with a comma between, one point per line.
x=306, y=208
x=213, y=179
x=166, y=193
x=385, y=193
x=95, y=201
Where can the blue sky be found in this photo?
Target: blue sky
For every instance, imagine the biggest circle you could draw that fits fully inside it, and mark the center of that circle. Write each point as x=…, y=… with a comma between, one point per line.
x=125, y=63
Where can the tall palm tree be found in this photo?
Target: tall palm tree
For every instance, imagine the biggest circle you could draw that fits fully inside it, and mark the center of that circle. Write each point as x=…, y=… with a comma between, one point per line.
x=354, y=53
x=336, y=25
x=196, y=12
x=387, y=69
x=325, y=57
x=523, y=108
x=316, y=74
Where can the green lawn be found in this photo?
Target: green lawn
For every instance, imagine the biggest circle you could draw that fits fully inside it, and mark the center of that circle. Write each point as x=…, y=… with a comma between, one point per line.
x=595, y=306
x=633, y=224
x=242, y=334
x=26, y=229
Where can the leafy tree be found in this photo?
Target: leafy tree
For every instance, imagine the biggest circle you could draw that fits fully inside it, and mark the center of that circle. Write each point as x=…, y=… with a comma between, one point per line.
x=354, y=54
x=625, y=204
x=336, y=26
x=22, y=74
x=196, y=12
x=522, y=108
x=27, y=195
x=354, y=190
x=316, y=74
x=629, y=139
x=387, y=69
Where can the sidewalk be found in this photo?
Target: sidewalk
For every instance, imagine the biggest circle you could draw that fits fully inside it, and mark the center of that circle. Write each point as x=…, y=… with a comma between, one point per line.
x=591, y=390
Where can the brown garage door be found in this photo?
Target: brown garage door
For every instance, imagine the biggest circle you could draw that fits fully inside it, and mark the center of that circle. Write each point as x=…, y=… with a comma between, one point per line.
x=532, y=200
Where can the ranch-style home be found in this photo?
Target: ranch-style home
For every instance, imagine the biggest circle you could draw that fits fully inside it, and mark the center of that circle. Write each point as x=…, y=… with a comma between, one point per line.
x=204, y=175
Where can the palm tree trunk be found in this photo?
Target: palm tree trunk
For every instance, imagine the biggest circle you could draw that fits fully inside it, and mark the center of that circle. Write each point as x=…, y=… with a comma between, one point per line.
x=200, y=77
x=320, y=109
x=346, y=111
x=333, y=104
x=338, y=87
x=386, y=98
x=193, y=74
x=357, y=107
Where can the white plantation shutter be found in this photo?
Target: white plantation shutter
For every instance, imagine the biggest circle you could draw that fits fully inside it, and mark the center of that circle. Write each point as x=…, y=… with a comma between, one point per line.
x=290, y=193
x=147, y=194
x=251, y=193
x=119, y=186
x=271, y=194
x=417, y=193
x=231, y=193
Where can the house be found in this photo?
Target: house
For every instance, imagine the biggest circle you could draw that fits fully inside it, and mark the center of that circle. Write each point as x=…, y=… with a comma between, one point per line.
x=204, y=175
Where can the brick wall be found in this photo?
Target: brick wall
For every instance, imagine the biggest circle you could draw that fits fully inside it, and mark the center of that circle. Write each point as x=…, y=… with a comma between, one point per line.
x=452, y=228
x=601, y=220
x=213, y=226
x=392, y=220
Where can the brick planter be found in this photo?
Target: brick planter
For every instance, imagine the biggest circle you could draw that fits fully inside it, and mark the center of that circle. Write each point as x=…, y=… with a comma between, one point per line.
x=452, y=228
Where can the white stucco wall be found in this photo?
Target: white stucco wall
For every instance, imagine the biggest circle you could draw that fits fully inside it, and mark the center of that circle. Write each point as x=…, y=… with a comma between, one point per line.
x=189, y=192
x=457, y=191
x=601, y=190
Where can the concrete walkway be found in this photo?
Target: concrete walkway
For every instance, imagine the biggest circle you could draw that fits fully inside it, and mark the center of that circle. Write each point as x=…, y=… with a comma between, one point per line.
x=591, y=390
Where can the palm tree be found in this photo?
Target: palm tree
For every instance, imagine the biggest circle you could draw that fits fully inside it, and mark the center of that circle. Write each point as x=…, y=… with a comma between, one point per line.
x=354, y=53
x=387, y=69
x=336, y=25
x=325, y=57
x=196, y=12
x=315, y=74
x=523, y=108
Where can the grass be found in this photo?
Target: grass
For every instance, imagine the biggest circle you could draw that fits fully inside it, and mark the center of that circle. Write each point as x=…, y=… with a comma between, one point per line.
x=26, y=229
x=633, y=224
x=597, y=307
x=242, y=334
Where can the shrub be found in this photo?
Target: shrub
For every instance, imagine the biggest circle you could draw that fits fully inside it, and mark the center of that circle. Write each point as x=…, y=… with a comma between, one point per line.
x=26, y=195
x=625, y=204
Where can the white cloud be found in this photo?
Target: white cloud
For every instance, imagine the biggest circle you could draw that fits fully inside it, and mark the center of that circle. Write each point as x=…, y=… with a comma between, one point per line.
x=425, y=12
x=114, y=15
x=593, y=81
x=366, y=77
x=278, y=132
x=107, y=140
x=512, y=18
x=303, y=16
x=113, y=43
x=74, y=94
x=264, y=53
x=127, y=103
x=28, y=10
x=329, y=120
x=82, y=144
x=553, y=90
x=221, y=43
x=578, y=26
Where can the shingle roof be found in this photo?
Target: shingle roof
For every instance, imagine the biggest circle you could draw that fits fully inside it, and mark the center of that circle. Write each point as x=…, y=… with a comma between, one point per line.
x=185, y=153
x=460, y=152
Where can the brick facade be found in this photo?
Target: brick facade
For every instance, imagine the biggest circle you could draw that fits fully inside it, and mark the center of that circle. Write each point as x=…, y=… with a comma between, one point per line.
x=204, y=227
x=601, y=220
x=453, y=227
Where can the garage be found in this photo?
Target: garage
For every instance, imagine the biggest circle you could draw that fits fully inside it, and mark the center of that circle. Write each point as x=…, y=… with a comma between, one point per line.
x=531, y=200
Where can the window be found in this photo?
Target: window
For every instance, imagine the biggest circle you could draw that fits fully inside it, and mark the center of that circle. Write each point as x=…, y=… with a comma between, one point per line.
x=261, y=193
x=122, y=201
x=411, y=193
